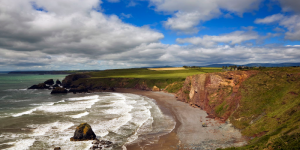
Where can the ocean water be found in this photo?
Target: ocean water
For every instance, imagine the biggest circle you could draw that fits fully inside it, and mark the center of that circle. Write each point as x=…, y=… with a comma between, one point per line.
x=35, y=119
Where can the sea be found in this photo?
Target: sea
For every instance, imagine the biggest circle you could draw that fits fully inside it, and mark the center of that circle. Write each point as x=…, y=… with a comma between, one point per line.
x=35, y=119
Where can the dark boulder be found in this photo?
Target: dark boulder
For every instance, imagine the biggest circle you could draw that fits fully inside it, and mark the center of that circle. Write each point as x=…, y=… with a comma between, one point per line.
x=57, y=148
x=59, y=90
x=39, y=86
x=58, y=82
x=83, y=132
x=67, y=82
x=49, y=82
x=80, y=89
x=55, y=85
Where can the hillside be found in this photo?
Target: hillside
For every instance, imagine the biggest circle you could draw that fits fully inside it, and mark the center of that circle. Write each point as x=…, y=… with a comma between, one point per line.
x=264, y=104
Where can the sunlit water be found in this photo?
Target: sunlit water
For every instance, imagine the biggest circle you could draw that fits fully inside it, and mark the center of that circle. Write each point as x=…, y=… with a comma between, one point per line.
x=35, y=119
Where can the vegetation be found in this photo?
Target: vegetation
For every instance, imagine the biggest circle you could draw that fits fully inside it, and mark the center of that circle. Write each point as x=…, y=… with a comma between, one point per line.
x=270, y=109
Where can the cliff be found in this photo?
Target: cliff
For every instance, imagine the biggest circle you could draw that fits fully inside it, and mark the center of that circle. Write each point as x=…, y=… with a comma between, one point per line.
x=263, y=104
x=216, y=93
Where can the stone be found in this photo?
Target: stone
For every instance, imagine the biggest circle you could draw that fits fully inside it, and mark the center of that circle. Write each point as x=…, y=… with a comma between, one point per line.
x=39, y=86
x=58, y=82
x=155, y=88
x=59, y=90
x=49, y=82
x=83, y=132
x=57, y=148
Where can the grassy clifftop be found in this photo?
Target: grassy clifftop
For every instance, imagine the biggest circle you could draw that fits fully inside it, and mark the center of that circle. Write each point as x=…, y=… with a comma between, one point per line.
x=141, y=78
x=270, y=109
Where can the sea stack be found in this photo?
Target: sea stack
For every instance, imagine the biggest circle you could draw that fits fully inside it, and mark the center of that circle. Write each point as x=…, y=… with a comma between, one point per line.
x=59, y=90
x=83, y=132
x=49, y=82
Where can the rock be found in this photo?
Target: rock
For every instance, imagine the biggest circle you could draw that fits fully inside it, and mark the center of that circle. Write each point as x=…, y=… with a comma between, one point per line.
x=67, y=82
x=96, y=141
x=55, y=85
x=39, y=86
x=58, y=82
x=49, y=82
x=57, y=148
x=155, y=88
x=80, y=89
x=83, y=132
x=58, y=90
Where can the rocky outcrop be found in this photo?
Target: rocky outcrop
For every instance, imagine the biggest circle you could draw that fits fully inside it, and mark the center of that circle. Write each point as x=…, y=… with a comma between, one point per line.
x=80, y=89
x=58, y=82
x=59, y=90
x=101, y=144
x=39, y=86
x=49, y=82
x=83, y=132
x=155, y=88
x=68, y=81
x=216, y=93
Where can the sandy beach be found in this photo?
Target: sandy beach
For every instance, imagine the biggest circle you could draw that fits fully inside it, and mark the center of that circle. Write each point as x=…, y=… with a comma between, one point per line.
x=188, y=132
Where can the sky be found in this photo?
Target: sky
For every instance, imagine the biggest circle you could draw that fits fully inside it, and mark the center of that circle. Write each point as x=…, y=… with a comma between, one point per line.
x=112, y=34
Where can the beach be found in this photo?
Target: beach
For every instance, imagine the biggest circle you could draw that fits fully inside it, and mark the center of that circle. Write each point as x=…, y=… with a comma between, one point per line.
x=188, y=132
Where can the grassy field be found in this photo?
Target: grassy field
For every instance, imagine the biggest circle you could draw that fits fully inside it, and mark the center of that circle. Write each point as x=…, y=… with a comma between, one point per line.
x=159, y=73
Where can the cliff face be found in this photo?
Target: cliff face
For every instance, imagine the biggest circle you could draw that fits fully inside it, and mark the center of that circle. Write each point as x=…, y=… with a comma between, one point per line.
x=216, y=93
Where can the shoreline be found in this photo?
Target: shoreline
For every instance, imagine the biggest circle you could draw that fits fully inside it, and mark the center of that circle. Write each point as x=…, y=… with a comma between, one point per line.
x=188, y=131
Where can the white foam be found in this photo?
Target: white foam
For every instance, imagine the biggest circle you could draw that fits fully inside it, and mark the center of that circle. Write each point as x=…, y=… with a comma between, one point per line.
x=69, y=107
x=79, y=115
x=84, y=98
x=23, y=144
x=25, y=113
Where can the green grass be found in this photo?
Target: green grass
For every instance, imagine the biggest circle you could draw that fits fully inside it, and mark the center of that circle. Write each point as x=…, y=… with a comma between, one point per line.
x=151, y=74
x=270, y=108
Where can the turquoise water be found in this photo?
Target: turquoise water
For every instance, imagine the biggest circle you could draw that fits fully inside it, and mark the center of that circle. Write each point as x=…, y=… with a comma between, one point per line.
x=35, y=119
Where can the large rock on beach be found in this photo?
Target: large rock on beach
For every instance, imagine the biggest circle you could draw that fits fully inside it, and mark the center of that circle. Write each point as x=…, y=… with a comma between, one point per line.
x=155, y=88
x=59, y=90
x=49, y=82
x=39, y=86
x=83, y=132
x=58, y=82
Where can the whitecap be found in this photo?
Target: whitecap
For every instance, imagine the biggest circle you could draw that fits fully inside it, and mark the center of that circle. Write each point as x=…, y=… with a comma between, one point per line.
x=23, y=144
x=25, y=113
x=84, y=98
x=79, y=115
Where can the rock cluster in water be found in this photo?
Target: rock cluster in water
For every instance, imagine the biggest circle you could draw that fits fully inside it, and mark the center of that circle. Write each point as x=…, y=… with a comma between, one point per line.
x=83, y=132
x=98, y=145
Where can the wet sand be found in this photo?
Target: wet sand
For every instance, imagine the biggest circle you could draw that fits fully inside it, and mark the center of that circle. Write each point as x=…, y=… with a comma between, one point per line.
x=188, y=132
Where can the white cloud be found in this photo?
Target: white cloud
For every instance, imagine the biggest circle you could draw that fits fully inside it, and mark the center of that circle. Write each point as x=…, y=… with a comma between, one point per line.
x=270, y=19
x=233, y=38
x=189, y=13
x=126, y=15
x=291, y=23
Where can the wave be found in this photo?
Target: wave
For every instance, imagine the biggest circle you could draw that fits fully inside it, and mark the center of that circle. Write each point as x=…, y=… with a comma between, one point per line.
x=83, y=98
x=79, y=115
x=25, y=113
x=23, y=144
x=16, y=90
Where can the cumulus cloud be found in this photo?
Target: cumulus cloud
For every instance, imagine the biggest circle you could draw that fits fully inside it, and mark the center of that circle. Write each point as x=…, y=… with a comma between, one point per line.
x=77, y=29
x=291, y=23
x=189, y=13
x=233, y=38
x=290, y=5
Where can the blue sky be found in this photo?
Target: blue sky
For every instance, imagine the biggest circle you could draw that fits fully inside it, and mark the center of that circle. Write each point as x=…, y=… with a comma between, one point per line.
x=106, y=34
